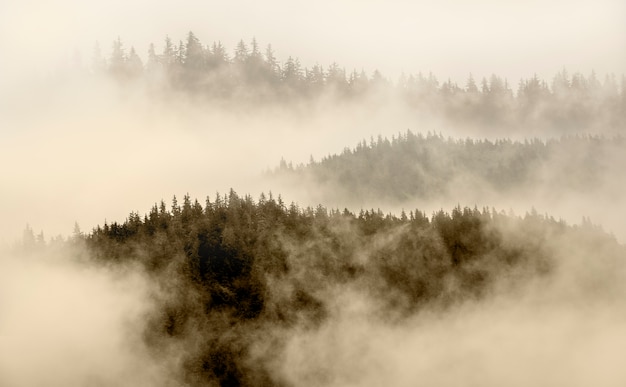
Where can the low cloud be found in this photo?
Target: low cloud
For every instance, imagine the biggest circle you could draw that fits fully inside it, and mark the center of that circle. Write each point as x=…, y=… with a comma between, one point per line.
x=560, y=329
x=64, y=323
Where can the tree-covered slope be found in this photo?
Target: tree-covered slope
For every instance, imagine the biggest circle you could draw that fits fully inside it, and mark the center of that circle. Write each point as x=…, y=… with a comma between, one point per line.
x=237, y=278
x=566, y=104
x=414, y=166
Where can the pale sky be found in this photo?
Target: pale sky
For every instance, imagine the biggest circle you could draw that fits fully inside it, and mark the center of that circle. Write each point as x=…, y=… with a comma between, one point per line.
x=451, y=38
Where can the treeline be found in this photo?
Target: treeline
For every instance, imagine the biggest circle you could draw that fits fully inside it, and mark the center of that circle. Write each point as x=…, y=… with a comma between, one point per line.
x=413, y=166
x=572, y=102
x=236, y=275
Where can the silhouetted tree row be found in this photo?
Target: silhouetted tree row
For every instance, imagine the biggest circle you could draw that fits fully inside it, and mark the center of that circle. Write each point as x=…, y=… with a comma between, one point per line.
x=572, y=102
x=212, y=71
x=413, y=166
x=235, y=273
x=569, y=102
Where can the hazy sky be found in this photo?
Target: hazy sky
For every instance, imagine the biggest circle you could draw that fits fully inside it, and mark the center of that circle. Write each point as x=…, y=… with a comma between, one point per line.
x=448, y=37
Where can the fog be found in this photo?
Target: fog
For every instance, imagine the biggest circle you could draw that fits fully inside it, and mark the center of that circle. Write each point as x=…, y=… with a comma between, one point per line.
x=561, y=329
x=78, y=147
x=96, y=153
x=488, y=344
x=67, y=323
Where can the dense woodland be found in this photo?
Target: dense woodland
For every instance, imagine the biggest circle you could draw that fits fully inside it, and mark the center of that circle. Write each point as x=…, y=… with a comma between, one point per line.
x=420, y=166
x=236, y=274
x=235, y=277
x=574, y=102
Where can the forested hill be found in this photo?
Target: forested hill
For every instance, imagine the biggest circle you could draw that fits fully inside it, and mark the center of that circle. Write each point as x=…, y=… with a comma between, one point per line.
x=413, y=166
x=566, y=103
x=237, y=278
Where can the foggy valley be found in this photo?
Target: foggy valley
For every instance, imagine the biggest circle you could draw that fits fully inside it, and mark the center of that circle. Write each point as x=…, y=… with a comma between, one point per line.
x=378, y=194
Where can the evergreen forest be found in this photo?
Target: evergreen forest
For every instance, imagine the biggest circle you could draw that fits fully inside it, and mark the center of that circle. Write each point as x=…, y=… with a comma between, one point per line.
x=416, y=166
x=342, y=274
x=235, y=275
x=566, y=104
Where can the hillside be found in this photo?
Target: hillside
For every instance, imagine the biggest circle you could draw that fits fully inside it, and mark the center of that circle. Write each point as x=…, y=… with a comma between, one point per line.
x=415, y=166
x=235, y=281
x=250, y=76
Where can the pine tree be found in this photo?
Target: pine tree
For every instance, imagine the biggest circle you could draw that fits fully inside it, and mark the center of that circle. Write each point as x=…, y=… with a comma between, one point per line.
x=218, y=57
x=153, y=63
x=134, y=66
x=255, y=53
x=194, y=54
x=241, y=52
x=271, y=62
x=470, y=86
x=292, y=72
x=117, y=63
x=168, y=58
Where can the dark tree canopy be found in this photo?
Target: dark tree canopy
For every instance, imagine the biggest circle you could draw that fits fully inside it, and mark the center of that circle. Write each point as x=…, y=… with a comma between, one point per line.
x=234, y=269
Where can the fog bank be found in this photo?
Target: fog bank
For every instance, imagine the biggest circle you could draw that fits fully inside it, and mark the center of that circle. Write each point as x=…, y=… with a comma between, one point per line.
x=561, y=329
x=69, y=323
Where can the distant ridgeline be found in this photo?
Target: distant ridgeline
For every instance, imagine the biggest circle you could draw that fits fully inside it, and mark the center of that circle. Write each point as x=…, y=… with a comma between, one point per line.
x=413, y=166
x=238, y=274
x=573, y=102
